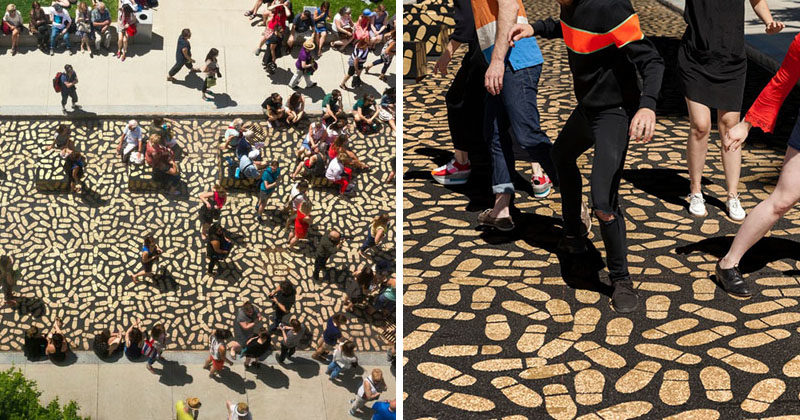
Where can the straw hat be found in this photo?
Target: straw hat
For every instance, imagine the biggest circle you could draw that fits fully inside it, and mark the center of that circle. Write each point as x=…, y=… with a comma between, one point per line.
x=309, y=45
x=193, y=403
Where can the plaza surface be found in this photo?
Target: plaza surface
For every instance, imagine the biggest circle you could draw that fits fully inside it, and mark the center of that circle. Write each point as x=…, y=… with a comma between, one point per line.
x=501, y=326
x=138, y=85
x=127, y=391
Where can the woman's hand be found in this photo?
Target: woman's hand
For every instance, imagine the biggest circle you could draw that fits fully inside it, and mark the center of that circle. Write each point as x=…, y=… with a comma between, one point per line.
x=642, y=125
x=519, y=31
x=441, y=63
x=773, y=27
x=736, y=136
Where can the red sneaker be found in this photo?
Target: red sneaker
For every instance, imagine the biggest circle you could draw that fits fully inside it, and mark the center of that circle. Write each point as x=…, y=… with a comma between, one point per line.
x=452, y=173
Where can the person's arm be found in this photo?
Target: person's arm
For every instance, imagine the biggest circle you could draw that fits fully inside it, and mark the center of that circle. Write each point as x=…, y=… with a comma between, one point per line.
x=121, y=138
x=186, y=56
x=506, y=17
x=379, y=236
x=762, y=10
x=247, y=325
x=217, y=248
x=368, y=394
x=280, y=305
x=205, y=196
x=441, y=64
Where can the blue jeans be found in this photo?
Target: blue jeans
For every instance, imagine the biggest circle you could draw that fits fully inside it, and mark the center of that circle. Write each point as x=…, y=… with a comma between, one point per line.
x=515, y=109
x=54, y=34
x=333, y=370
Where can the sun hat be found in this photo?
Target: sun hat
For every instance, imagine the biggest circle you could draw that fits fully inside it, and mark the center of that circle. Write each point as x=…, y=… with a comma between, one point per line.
x=193, y=403
x=309, y=45
x=367, y=12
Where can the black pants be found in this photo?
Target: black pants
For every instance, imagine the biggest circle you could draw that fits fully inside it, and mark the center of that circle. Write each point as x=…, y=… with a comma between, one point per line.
x=213, y=261
x=178, y=64
x=319, y=266
x=465, y=102
x=285, y=352
x=71, y=93
x=607, y=130
x=279, y=314
x=43, y=35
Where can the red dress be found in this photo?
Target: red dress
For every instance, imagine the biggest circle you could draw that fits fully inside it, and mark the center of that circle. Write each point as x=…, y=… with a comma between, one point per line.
x=300, y=226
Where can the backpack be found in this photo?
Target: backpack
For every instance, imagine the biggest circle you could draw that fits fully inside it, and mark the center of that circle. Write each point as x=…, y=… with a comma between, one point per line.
x=57, y=82
x=148, y=349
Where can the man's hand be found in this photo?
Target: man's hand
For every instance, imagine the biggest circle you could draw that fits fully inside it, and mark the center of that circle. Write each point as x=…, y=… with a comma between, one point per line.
x=643, y=125
x=773, y=27
x=494, y=77
x=736, y=136
x=441, y=63
x=519, y=31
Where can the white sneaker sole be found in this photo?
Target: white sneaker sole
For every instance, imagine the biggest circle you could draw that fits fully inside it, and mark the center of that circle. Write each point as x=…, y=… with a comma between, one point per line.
x=730, y=216
x=542, y=194
x=444, y=180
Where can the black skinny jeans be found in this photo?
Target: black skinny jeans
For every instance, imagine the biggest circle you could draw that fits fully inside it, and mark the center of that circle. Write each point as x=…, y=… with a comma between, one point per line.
x=607, y=130
x=319, y=266
x=465, y=102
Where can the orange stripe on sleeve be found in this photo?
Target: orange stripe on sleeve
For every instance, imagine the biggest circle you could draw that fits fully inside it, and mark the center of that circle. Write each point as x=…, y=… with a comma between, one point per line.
x=585, y=42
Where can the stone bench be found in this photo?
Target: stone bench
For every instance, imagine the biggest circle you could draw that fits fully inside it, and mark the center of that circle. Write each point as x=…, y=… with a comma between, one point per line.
x=50, y=174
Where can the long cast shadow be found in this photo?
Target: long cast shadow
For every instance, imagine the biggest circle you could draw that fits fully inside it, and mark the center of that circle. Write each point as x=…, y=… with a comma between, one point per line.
x=670, y=185
x=762, y=253
x=173, y=373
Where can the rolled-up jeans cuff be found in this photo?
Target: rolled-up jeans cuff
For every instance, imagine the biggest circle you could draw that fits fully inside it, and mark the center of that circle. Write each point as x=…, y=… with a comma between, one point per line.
x=507, y=188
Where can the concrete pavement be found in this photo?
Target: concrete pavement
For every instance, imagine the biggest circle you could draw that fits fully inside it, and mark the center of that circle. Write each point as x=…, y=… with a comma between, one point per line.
x=122, y=389
x=108, y=86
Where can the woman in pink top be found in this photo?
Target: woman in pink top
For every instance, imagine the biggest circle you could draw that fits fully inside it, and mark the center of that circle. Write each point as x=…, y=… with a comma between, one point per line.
x=763, y=114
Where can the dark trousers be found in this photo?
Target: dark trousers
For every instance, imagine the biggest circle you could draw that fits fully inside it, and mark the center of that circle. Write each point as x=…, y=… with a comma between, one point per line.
x=279, y=314
x=178, y=64
x=465, y=103
x=212, y=262
x=42, y=35
x=607, y=130
x=319, y=266
x=514, y=111
x=385, y=61
x=71, y=93
x=285, y=352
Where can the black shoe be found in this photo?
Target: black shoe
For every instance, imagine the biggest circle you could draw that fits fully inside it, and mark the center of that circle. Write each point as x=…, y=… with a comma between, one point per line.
x=569, y=244
x=732, y=281
x=624, y=299
x=503, y=224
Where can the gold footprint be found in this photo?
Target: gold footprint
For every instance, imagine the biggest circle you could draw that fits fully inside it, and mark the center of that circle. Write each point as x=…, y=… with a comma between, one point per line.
x=465, y=350
x=587, y=297
x=768, y=306
x=717, y=383
x=499, y=365
x=638, y=377
x=482, y=298
x=549, y=371
x=792, y=367
x=670, y=328
x=559, y=310
x=708, y=313
x=622, y=411
x=675, y=387
x=420, y=336
x=559, y=345
x=529, y=292
x=759, y=338
x=657, y=306
x=532, y=339
x=516, y=392
x=703, y=289
x=586, y=320
x=415, y=294
x=449, y=294
x=763, y=395
x=522, y=308
x=445, y=373
x=700, y=413
x=739, y=361
x=558, y=403
x=783, y=318
x=659, y=351
x=600, y=355
x=436, y=313
x=589, y=385
x=618, y=331
x=460, y=401
x=702, y=337
x=497, y=328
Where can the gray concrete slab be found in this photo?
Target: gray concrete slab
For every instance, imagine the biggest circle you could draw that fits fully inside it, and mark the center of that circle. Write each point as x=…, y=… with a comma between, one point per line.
x=131, y=393
x=76, y=382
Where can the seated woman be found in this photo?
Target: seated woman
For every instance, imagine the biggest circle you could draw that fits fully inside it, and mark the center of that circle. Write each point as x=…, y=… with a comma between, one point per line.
x=12, y=25
x=127, y=29
x=339, y=127
x=106, y=343
x=342, y=25
x=339, y=173
x=35, y=344
x=362, y=26
x=57, y=345
x=339, y=147
x=273, y=109
x=357, y=287
x=364, y=112
x=316, y=134
x=378, y=25
x=134, y=338
x=295, y=108
x=233, y=134
x=320, y=18
x=256, y=347
x=39, y=25
x=74, y=165
x=62, y=140
x=163, y=128
x=245, y=146
x=162, y=160
x=386, y=109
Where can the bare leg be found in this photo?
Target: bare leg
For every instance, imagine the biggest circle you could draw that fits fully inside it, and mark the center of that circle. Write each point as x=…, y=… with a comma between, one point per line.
x=697, y=147
x=501, y=204
x=766, y=213
x=732, y=159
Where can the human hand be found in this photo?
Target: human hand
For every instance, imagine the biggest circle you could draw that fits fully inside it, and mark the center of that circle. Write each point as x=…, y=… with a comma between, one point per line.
x=493, y=81
x=441, y=63
x=642, y=125
x=773, y=27
x=519, y=31
x=736, y=136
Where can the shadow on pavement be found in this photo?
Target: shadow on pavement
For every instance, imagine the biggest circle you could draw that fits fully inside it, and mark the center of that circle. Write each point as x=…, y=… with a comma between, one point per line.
x=173, y=373
x=33, y=306
x=270, y=376
x=670, y=185
x=305, y=368
x=765, y=251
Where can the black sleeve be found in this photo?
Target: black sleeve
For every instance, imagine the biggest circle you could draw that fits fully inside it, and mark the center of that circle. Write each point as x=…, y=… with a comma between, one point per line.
x=548, y=28
x=265, y=103
x=464, y=31
x=648, y=62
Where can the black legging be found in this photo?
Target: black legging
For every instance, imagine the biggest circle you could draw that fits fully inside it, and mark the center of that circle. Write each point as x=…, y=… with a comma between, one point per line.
x=607, y=130
x=465, y=101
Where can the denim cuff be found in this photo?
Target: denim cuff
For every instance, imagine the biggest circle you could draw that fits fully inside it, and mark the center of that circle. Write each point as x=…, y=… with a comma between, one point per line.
x=507, y=188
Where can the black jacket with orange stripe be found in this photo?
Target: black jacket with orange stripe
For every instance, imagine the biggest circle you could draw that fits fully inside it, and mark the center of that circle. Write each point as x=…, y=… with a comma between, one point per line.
x=605, y=48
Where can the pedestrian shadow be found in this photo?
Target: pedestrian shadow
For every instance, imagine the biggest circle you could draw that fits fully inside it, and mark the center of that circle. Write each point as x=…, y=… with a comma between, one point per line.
x=92, y=198
x=350, y=379
x=223, y=100
x=765, y=251
x=33, y=306
x=173, y=373
x=192, y=81
x=270, y=376
x=305, y=368
x=316, y=93
x=667, y=185
x=69, y=359
x=337, y=275
x=281, y=76
x=80, y=113
x=164, y=282
x=3, y=175
x=228, y=271
x=232, y=380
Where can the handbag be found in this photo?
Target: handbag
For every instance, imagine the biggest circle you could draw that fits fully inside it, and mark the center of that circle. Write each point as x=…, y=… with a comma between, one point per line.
x=211, y=82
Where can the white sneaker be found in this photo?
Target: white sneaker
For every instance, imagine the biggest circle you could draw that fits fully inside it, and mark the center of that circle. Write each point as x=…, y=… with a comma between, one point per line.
x=697, y=206
x=735, y=210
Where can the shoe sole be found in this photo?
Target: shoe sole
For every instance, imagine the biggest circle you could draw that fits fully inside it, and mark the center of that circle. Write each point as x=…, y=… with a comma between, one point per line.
x=490, y=225
x=735, y=219
x=695, y=215
x=615, y=309
x=542, y=194
x=450, y=181
x=736, y=295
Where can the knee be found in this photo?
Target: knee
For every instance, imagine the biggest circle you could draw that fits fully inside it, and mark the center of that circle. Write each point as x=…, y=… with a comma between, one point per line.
x=781, y=205
x=701, y=129
x=604, y=216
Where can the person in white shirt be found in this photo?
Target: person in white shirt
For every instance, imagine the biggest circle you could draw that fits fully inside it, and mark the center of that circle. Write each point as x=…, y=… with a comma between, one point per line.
x=61, y=23
x=130, y=140
x=339, y=173
x=12, y=25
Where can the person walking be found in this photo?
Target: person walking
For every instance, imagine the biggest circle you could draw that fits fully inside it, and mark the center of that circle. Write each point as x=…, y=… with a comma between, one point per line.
x=712, y=68
x=256, y=347
x=149, y=256
x=183, y=55
x=218, y=246
x=269, y=181
x=302, y=222
x=356, y=64
x=248, y=317
x=154, y=347
x=326, y=247
x=282, y=299
x=290, y=338
x=217, y=352
x=344, y=357
x=213, y=201
x=74, y=166
x=188, y=409
x=376, y=233
x=370, y=390
x=211, y=70
x=127, y=29
x=330, y=336
x=67, y=82
x=9, y=277
x=305, y=66
x=606, y=50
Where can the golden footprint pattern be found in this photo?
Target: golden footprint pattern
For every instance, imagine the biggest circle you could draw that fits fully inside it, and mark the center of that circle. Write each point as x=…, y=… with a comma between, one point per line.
x=496, y=308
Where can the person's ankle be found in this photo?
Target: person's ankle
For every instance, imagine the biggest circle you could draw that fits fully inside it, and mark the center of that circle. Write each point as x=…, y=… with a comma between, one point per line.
x=726, y=264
